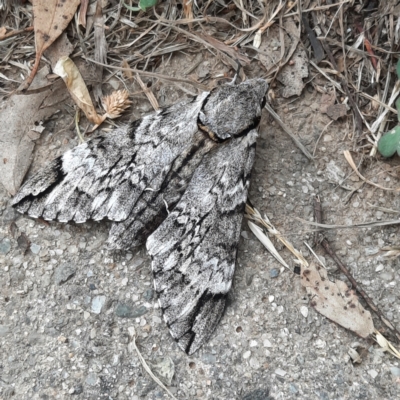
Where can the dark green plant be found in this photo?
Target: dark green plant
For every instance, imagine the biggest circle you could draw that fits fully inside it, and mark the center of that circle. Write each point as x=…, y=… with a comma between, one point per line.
x=389, y=143
x=143, y=5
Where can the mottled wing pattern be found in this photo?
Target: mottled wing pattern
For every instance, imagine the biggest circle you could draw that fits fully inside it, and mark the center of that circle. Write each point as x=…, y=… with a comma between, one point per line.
x=105, y=177
x=153, y=205
x=194, y=249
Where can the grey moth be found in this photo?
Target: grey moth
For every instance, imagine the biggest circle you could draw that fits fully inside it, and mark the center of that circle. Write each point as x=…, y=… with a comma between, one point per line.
x=177, y=180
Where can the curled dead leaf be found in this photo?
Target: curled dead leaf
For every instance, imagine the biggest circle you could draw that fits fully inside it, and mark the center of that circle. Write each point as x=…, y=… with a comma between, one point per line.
x=68, y=71
x=336, y=301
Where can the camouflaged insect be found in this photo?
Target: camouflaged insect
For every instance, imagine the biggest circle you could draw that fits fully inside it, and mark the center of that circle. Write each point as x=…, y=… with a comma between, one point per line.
x=179, y=178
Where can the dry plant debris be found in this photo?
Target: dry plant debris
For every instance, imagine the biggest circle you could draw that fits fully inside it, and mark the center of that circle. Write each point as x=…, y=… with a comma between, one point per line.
x=336, y=301
x=114, y=104
x=50, y=18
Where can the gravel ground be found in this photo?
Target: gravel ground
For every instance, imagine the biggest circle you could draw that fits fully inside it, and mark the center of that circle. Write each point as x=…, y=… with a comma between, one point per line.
x=67, y=304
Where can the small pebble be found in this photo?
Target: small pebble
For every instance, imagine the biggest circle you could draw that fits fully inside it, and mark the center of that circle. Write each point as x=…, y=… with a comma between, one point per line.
x=5, y=246
x=126, y=311
x=370, y=251
x=209, y=358
x=254, y=363
x=91, y=379
x=247, y=354
x=373, y=373
x=280, y=372
x=387, y=275
x=293, y=389
x=63, y=273
x=4, y=329
x=35, y=248
x=395, y=371
x=274, y=272
x=304, y=311
x=244, y=234
x=320, y=344
x=148, y=294
x=379, y=268
x=98, y=303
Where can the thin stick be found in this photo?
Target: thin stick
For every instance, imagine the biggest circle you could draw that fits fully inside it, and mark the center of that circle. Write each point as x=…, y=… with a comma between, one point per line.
x=289, y=132
x=371, y=224
x=151, y=74
x=325, y=244
x=16, y=32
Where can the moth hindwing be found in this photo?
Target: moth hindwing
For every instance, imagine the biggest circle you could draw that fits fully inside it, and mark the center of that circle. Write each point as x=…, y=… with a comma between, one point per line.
x=178, y=178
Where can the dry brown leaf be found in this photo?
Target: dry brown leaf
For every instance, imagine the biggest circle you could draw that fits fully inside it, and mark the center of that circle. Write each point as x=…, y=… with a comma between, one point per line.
x=50, y=18
x=60, y=48
x=18, y=116
x=336, y=301
x=76, y=86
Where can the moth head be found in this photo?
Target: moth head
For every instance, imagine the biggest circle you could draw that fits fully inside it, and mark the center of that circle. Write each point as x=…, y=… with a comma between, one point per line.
x=233, y=110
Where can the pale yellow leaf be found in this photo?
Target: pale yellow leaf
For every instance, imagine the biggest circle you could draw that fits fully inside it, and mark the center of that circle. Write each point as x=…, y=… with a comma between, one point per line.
x=68, y=71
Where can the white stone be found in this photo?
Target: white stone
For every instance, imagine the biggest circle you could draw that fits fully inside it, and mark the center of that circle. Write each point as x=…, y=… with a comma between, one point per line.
x=304, y=311
x=373, y=373
x=247, y=354
x=280, y=372
x=267, y=343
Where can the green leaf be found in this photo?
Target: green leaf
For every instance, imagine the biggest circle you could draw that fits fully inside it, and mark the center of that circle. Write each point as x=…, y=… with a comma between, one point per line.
x=398, y=69
x=143, y=5
x=389, y=143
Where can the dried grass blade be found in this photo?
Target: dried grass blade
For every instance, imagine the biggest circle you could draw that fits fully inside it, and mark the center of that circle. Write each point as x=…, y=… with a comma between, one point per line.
x=264, y=239
x=253, y=214
x=349, y=159
x=385, y=344
x=148, y=93
x=132, y=346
